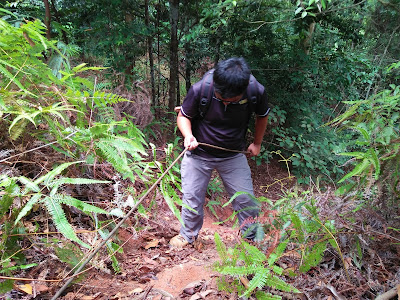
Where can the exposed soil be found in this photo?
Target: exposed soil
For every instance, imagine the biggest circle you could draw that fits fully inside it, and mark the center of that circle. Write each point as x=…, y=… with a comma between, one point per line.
x=151, y=269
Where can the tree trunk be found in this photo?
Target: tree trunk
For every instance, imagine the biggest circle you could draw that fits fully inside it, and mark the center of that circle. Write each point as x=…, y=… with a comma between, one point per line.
x=47, y=18
x=150, y=50
x=188, y=66
x=173, y=73
x=307, y=41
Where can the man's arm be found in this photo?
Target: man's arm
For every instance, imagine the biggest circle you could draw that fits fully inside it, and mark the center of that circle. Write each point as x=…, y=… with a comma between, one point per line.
x=261, y=125
x=185, y=126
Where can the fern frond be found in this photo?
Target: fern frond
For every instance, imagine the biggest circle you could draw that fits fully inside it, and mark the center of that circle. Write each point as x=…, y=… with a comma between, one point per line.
x=267, y=296
x=165, y=189
x=103, y=99
x=85, y=207
x=48, y=177
x=54, y=208
x=28, y=206
x=132, y=146
x=16, y=131
x=279, y=284
x=67, y=180
x=221, y=248
x=314, y=257
x=116, y=157
x=274, y=256
x=241, y=270
x=258, y=281
x=256, y=255
x=29, y=185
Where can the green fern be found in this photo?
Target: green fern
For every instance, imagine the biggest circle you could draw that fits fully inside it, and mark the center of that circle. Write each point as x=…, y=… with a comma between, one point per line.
x=221, y=248
x=258, y=281
x=249, y=260
x=53, y=201
x=266, y=296
x=60, y=221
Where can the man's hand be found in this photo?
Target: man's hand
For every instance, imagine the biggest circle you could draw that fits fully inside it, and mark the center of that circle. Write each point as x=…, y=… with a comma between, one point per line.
x=254, y=149
x=190, y=142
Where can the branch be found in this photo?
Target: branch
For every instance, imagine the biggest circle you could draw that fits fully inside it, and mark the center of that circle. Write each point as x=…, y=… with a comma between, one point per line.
x=390, y=293
x=28, y=39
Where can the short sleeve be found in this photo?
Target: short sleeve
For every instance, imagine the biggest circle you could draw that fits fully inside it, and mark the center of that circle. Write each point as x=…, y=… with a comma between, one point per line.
x=262, y=109
x=190, y=105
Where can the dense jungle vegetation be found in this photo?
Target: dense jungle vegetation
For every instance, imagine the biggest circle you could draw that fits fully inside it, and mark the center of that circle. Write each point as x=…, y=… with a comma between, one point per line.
x=87, y=97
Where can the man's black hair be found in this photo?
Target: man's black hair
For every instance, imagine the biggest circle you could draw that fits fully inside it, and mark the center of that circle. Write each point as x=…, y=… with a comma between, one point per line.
x=231, y=77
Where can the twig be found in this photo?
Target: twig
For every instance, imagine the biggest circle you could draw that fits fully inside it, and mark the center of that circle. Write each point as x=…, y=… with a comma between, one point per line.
x=389, y=294
x=164, y=293
x=34, y=149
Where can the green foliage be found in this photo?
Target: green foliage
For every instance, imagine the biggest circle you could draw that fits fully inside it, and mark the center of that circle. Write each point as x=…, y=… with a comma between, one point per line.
x=214, y=190
x=374, y=124
x=245, y=260
x=69, y=254
x=310, y=150
x=297, y=220
x=171, y=182
x=45, y=190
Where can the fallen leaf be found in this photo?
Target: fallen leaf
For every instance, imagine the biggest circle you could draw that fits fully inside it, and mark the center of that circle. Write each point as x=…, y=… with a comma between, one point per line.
x=149, y=261
x=206, y=293
x=189, y=291
x=194, y=284
x=347, y=262
x=40, y=288
x=244, y=281
x=136, y=291
x=27, y=288
x=152, y=244
x=195, y=297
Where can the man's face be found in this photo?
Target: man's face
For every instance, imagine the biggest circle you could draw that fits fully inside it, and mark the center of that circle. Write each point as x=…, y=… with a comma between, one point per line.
x=227, y=101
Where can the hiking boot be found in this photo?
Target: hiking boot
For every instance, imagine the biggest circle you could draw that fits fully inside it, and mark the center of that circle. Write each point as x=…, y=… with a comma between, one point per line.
x=178, y=241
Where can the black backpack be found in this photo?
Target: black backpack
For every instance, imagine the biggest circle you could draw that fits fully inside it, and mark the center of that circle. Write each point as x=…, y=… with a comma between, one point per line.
x=206, y=93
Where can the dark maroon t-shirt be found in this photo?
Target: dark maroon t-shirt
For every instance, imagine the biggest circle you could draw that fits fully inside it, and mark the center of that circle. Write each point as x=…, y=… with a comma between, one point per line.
x=223, y=125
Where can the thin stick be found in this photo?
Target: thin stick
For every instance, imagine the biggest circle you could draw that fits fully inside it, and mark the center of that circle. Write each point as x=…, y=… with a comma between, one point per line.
x=3, y=160
x=225, y=149
x=116, y=228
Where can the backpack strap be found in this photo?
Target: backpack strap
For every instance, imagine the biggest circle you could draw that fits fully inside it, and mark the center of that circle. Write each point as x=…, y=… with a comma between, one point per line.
x=252, y=93
x=206, y=92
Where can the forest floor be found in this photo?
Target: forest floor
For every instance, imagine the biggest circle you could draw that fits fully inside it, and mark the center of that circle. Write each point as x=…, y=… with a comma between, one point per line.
x=151, y=269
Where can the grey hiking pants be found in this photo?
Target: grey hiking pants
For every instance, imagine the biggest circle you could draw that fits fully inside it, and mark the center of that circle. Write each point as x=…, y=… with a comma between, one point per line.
x=236, y=176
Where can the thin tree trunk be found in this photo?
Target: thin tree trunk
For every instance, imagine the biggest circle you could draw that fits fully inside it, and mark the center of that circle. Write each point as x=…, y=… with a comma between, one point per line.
x=150, y=50
x=158, y=55
x=173, y=73
x=47, y=18
x=188, y=67
x=307, y=41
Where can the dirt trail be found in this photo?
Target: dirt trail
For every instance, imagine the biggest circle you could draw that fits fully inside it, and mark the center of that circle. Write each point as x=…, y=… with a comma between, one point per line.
x=151, y=269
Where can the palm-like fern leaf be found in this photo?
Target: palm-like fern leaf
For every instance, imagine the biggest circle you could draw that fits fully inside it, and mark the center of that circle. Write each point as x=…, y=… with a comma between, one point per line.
x=258, y=281
x=221, y=248
x=116, y=157
x=28, y=206
x=279, y=284
x=53, y=205
x=85, y=207
x=254, y=253
x=165, y=188
x=260, y=295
